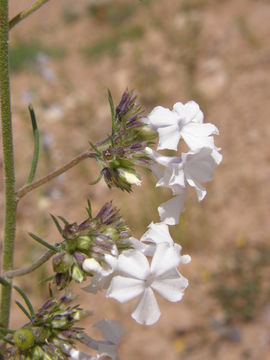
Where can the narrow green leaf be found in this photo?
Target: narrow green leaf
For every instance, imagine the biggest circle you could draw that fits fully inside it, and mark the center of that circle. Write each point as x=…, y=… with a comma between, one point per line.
x=89, y=209
x=59, y=228
x=26, y=299
x=97, y=180
x=6, y=331
x=23, y=310
x=111, y=104
x=43, y=242
x=93, y=146
x=4, y=282
x=36, y=146
x=63, y=219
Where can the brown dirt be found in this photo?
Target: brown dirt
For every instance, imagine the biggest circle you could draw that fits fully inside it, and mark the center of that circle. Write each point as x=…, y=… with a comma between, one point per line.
x=214, y=51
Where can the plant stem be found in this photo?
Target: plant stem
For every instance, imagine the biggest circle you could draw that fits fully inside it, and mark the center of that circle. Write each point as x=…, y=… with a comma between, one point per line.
x=27, y=188
x=23, y=14
x=8, y=162
x=29, y=268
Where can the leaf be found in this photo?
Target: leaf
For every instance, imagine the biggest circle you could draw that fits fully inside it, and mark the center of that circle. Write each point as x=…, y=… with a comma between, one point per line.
x=59, y=228
x=36, y=146
x=111, y=104
x=89, y=209
x=97, y=180
x=26, y=299
x=23, y=310
x=43, y=242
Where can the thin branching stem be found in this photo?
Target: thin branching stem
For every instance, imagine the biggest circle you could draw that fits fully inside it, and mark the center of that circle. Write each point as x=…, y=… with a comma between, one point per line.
x=29, y=268
x=25, y=13
x=27, y=188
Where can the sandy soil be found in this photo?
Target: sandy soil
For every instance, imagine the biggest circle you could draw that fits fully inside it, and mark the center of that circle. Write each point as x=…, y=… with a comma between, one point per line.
x=216, y=52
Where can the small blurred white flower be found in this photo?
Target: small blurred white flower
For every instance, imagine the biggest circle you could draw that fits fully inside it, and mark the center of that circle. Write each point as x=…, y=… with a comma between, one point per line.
x=138, y=278
x=112, y=332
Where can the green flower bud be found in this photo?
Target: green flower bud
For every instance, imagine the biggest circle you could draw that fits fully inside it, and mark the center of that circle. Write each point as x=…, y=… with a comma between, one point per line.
x=71, y=245
x=145, y=133
x=38, y=353
x=40, y=334
x=78, y=274
x=59, y=323
x=112, y=233
x=24, y=339
x=62, y=262
x=84, y=243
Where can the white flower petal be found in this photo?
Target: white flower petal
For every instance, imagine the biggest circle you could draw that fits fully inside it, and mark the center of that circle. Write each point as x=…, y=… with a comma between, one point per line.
x=146, y=310
x=170, y=210
x=134, y=264
x=169, y=137
x=160, y=117
x=171, y=289
x=124, y=289
x=189, y=112
x=161, y=159
x=111, y=330
x=79, y=355
x=157, y=233
x=165, y=258
x=195, y=142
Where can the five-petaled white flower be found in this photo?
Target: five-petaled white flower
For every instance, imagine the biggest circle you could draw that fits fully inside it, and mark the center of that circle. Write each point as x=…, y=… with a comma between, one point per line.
x=138, y=278
x=184, y=121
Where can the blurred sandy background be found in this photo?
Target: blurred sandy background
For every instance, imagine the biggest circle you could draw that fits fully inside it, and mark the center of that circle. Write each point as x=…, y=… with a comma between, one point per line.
x=216, y=52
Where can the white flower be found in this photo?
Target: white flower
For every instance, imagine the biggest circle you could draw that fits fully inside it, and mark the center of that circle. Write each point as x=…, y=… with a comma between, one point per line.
x=112, y=332
x=158, y=233
x=192, y=168
x=102, y=274
x=184, y=121
x=138, y=278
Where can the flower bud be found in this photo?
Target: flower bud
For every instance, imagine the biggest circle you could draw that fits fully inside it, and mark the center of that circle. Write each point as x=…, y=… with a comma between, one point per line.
x=145, y=133
x=129, y=177
x=91, y=265
x=59, y=322
x=62, y=262
x=24, y=339
x=38, y=353
x=77, y=274
x=40, y=334
x=84, y=243
x=111, y=232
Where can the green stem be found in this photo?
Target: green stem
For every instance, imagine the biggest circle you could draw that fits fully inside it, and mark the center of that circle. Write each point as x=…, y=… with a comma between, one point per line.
x=29, y=268
x=27, y=188
x=23, y=14
x=8, y=161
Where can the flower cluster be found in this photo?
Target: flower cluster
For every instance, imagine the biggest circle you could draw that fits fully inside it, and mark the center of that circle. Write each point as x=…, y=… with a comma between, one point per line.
x=96, y=238
x=151, y=265
x=192, y=168
x=124, y=149
x=50, y=334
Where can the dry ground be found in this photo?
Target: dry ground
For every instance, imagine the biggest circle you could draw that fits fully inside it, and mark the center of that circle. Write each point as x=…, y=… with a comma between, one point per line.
x=216, y=52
